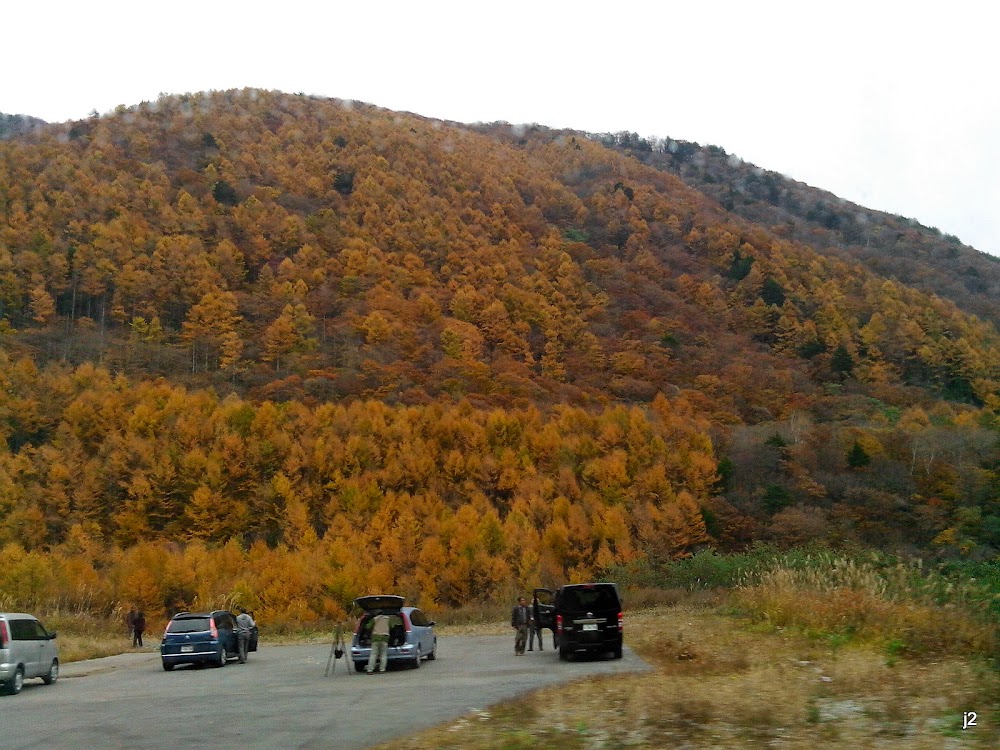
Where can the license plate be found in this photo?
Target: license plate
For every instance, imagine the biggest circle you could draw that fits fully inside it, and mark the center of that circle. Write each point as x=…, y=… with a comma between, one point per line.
x=187, y=649
x=590, y=626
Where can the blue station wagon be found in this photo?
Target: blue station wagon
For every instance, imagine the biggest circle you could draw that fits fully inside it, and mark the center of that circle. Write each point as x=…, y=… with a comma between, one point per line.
x=411, y=634
x=201, y=638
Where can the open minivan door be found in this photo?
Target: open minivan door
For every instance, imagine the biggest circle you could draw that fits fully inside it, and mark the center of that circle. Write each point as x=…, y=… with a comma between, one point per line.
x=543, y=604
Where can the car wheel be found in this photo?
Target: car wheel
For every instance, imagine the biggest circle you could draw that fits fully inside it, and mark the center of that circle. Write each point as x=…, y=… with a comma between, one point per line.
x=434, y=651
x=618, y=652
x=359, y=666
x=221, y=661
x=416, y=662
x=563, y=653
x=167, y=666
x=53, y=674
x=16, y=682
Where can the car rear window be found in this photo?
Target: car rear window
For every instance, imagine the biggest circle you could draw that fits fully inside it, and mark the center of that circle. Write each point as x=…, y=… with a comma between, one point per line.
x=585, y=597
x=189, y=625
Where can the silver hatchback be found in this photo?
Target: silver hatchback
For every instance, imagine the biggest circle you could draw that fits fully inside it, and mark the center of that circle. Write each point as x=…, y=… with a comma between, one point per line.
x=27, y=650
x=411, y=633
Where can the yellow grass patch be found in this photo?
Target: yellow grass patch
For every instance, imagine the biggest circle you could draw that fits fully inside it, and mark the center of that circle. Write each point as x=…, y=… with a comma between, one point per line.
x=856, y=603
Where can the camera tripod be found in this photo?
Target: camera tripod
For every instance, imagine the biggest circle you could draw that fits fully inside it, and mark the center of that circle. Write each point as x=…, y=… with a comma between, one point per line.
x=338, y=650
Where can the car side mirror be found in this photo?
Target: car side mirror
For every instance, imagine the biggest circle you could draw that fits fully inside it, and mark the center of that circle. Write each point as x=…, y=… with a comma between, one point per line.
x=52, y=635
x=431, y=624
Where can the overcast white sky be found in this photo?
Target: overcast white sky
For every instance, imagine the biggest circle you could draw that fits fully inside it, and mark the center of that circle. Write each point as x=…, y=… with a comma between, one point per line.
x=892, y=105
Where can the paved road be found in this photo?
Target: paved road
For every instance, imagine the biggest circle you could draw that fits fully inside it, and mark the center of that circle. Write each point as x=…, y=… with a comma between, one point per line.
x=278, y=700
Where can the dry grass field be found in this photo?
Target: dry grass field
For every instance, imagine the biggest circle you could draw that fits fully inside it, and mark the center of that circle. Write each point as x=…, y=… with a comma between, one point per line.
x=721, y=682
x=837, y=656
x=83, y=636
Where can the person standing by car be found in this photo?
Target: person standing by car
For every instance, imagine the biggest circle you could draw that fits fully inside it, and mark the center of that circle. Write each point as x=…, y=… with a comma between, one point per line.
x=535, y=629
x=138, y=628
x=520, y=620
x=244, y=628
x=380, y=644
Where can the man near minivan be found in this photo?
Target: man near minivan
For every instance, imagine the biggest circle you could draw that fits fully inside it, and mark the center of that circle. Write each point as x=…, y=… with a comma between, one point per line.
x=520, y=620
x=380, y=644
x=536, y=626
x=244, y=629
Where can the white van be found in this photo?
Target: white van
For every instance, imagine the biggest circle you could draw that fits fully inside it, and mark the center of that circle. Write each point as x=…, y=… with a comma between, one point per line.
x=27, y=649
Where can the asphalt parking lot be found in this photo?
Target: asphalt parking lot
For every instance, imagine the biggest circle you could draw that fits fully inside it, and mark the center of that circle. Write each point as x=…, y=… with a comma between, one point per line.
x=279, y=699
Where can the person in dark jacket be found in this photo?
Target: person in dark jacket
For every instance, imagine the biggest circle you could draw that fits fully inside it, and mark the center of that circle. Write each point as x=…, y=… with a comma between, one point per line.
x=130, y=621
x=138, y=628
x=536, y=626
x=520, y=620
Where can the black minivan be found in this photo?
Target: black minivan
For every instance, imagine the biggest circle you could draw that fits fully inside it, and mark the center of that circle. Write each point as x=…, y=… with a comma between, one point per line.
x=586, y=617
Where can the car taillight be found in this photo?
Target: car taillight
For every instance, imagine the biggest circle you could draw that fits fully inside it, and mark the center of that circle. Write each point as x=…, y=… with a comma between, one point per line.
x=357, y=625
x=621, y=622
x=406, y=622
x=4, y=636
x=559, y=624
x=215, y=630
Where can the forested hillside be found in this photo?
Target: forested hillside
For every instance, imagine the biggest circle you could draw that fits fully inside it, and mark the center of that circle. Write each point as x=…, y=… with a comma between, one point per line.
x=892, y=246
x=380, y=351
x=13, y=125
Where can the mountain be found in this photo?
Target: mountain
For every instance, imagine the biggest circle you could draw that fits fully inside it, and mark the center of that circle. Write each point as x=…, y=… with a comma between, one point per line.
x=892, y=246
x=486, y=352
x=388, y=255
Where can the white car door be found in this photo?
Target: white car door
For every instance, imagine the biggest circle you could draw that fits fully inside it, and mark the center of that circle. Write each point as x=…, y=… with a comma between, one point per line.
x=26, y=645
x=423, y=633
x=46, y=649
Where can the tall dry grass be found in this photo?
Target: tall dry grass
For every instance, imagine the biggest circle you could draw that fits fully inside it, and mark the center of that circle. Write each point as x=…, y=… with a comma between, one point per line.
x=85, y=636
x=889, y=607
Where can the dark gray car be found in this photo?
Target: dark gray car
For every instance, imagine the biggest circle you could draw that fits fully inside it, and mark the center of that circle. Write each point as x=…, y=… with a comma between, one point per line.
x=201, y=638
x=411, y=633
x=27, y=650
